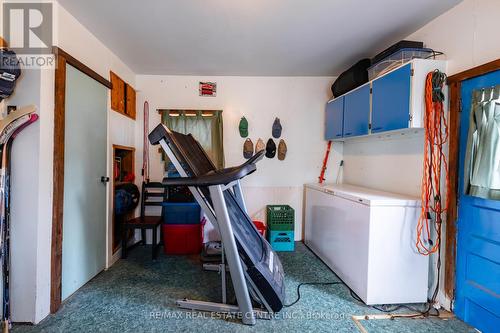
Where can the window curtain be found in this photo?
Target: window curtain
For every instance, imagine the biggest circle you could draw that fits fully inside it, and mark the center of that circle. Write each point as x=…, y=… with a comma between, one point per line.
x=205, y=126
x=482, y=167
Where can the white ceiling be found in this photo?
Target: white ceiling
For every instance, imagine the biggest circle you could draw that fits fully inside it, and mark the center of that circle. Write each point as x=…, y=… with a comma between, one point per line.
x=251, y=37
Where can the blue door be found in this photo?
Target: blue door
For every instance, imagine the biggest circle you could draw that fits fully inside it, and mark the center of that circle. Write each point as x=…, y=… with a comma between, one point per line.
x=391, y=100
x=334, y=119
x=478, y=240
x=357, y=111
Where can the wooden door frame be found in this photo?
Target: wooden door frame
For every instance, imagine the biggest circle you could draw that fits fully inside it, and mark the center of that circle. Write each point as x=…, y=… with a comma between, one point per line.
x=455, y=85
x=62, y=58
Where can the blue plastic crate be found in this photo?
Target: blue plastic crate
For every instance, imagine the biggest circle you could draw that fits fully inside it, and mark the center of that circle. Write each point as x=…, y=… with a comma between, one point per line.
x=181, y=213
x=172, y=171
x=281, y=240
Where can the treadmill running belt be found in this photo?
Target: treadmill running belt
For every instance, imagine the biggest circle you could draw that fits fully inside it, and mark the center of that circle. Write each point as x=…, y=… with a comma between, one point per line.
x=263, y=265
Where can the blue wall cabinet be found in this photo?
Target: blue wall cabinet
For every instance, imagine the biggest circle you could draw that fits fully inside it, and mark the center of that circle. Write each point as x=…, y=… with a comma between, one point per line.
x=357, y=111
x=397, y=103
x=334, y=119
x=391, y=100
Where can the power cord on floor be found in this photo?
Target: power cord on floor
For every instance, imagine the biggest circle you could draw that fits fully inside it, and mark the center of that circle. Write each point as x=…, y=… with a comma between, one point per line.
x=391, y=308
x=419, y=313
x=382, y=308
x=309, y=284
x=388, y=308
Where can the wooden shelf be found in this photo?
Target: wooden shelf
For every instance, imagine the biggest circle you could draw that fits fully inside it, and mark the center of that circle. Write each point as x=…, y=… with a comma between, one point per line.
x=126, y=156
x=123, y=163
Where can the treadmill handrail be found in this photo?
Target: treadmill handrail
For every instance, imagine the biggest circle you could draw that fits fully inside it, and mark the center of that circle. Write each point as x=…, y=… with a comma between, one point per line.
x=252, y=160
x=256, y=157
x=221, y=177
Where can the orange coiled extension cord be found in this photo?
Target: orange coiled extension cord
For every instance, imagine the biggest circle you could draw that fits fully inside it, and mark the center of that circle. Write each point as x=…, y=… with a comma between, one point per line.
x=435, y=164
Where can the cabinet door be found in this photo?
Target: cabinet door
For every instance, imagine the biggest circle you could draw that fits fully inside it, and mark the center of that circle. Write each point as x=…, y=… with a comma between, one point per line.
x=334, y=119
x=391, y=100
x=117, y=93
x=357, y=111
x=130, y=102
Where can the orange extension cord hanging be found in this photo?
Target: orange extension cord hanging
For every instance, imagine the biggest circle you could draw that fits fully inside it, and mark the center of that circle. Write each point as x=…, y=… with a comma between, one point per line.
x=435, y=164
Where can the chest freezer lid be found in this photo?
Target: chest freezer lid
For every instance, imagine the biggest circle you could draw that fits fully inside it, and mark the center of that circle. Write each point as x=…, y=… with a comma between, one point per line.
x=366, y=196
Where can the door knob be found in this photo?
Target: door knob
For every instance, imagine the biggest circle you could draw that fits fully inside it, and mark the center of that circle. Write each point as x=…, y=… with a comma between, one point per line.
x=104, y=179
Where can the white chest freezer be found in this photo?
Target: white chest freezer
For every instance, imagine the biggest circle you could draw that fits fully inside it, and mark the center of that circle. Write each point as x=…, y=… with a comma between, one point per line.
x=367, y=238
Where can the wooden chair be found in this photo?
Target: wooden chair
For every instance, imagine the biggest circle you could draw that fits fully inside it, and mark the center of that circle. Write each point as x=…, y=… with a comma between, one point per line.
x=143, y=222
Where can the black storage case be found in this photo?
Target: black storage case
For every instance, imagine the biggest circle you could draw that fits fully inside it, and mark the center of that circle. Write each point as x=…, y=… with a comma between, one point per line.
x=352, y=78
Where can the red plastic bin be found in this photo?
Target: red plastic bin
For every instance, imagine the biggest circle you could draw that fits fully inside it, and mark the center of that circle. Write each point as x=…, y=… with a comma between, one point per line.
x=182, y=238
x=261, y=227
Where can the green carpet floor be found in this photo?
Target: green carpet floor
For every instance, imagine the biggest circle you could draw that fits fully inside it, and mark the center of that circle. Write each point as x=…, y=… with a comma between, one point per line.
x=138, y=295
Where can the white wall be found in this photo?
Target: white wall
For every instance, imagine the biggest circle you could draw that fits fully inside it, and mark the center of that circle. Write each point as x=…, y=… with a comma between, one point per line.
x=468, y=35
x=76, y=40
x=28, y=206
x=33, y=162
x=298, y=101
x=24, y=201
x=392, y=164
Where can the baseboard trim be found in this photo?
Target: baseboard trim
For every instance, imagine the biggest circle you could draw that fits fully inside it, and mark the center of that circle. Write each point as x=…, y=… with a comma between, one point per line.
x=116, y=256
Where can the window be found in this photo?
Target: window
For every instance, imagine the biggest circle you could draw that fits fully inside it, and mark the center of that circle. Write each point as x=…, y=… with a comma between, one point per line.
x=482, y=160
x=205, y=126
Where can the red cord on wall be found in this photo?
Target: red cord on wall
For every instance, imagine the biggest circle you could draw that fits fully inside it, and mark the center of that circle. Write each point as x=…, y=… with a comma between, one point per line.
x=435, y=164
x=145, y=147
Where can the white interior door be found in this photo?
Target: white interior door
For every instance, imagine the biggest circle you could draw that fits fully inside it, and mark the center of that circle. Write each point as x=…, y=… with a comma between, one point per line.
x=84, y=215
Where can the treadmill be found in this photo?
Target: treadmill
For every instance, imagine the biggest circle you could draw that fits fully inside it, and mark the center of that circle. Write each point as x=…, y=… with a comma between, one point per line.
x=256, y=271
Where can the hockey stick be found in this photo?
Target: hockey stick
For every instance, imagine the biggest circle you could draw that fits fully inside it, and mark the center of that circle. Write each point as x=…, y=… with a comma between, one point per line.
x=19, y=119
x=18, y=113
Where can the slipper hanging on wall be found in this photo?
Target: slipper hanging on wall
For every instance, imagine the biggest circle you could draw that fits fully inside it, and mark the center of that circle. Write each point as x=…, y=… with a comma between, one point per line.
x=248, y=149
x=277, y=128
x=243, y=127
x=282, y=149
x=270, y=148
x=260, y=145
